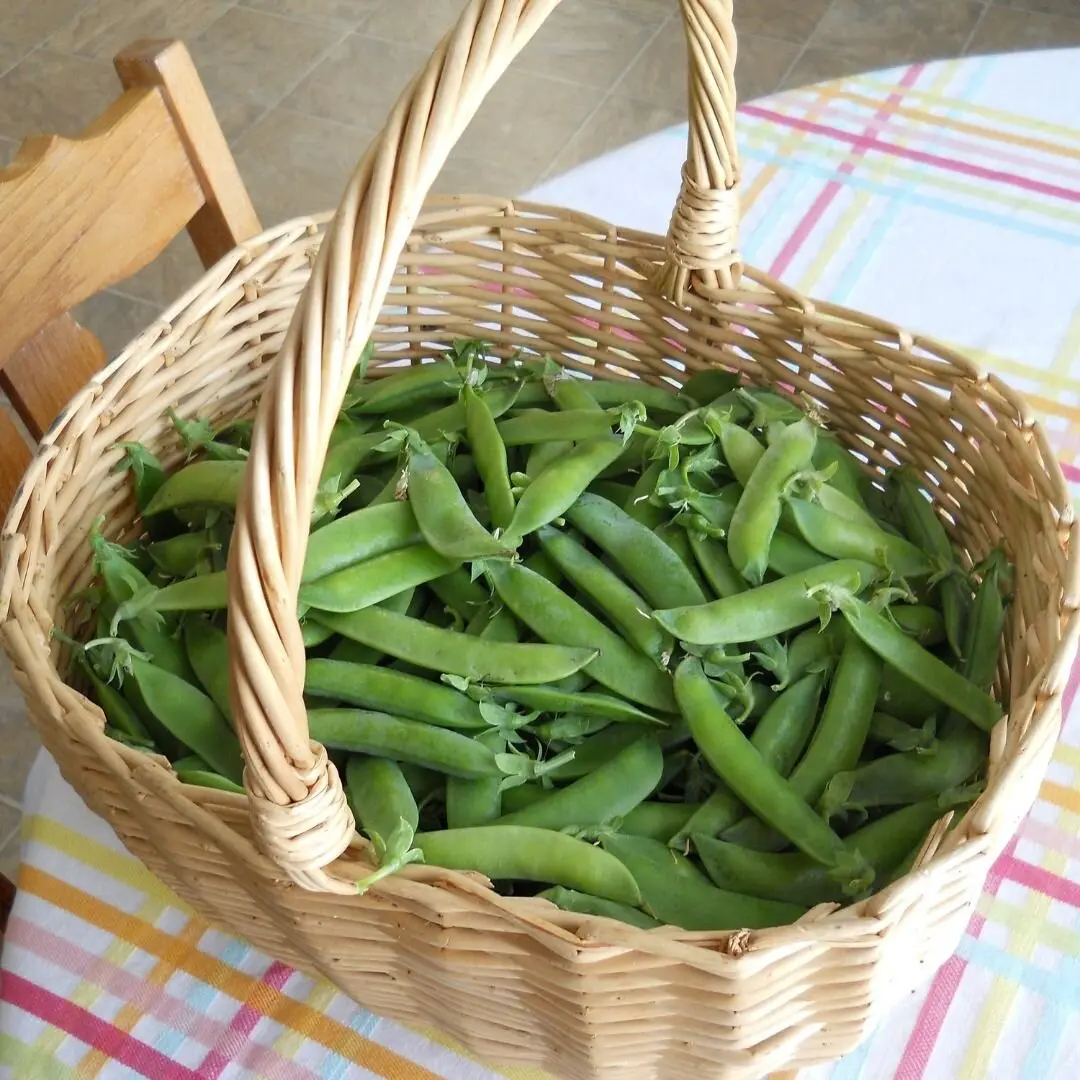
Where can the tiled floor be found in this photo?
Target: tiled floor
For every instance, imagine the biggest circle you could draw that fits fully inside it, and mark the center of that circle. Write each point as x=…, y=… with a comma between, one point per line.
x=302, y=85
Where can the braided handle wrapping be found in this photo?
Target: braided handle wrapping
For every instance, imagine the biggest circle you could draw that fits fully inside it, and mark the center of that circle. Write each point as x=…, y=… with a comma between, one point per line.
x=300, y=814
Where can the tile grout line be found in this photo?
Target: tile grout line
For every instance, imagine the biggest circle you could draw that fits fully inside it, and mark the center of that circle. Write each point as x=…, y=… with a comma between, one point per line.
x=10, y=803
x=975, y=29
x=11, y=836
x=802, y=50
x=546, y=174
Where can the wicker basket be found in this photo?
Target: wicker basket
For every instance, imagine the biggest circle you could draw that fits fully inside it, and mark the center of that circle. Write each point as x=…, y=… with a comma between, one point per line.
x=518, y=981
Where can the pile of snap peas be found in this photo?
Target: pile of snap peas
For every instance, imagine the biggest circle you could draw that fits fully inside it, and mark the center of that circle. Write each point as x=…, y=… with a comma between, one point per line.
x=663, y=654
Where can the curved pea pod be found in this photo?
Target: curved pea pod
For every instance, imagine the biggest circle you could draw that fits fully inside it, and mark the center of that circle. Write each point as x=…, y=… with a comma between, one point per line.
x=920, y=666
x=205, y=592
x=376, y=579
x=649, y=564
x=847, y=476
x=359, y=536
x=593, y=751
x=610, y=393
x=533, y=426
x=179, y=556
x=768, y=610
x=678, y=540
x=189, y=716
x=627, y=611
x=919, y=621
x=815, y=649
x=579, y=903
x=741, y=450
x=385, y=690
x=345, y=457
x=470, y=803
x=521, y=853
x=706, y=386
x=658, y=820
x=758, y=512
x=501, y=626
x=118, y=711
x=195, y=771
x=901, y=779
x=716, y=565
x=571, y=392
x=202, y=483
x=147, y=473
x=541, y=455
x=453, y=653
x=554, y=616
x=900, y=697
x=361, y=731
x=554, y=491
x=904, y=737
x=314, y=633
x=674, y=891
x=842, y=538
x=585, y=703
x=611, y=791
x=460, y=593
x=489, y=453
x=208, y=653
x=415, y=385
x=757, y=784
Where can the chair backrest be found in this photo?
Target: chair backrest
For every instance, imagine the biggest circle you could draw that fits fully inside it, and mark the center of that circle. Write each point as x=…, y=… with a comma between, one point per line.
x=80, y=214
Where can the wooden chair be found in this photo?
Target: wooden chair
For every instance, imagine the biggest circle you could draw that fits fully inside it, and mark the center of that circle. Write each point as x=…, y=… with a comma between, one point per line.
x=80, y=214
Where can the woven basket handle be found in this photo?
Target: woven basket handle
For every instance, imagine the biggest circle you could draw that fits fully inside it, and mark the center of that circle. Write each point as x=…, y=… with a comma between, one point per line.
x=300, y=815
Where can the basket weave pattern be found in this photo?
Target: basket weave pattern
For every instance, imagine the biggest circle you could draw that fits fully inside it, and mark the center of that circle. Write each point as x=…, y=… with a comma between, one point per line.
x=518, y=981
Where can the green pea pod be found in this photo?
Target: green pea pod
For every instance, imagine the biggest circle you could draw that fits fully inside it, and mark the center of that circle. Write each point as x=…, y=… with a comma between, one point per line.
x=404, y=388
x=190, y=716
x=742, y=451
x=386, y=810
x=757, y=784
x=591, y=753
x=556, y=700
x=147, y=473
x=195, y=771
x=611, y=393
x=118, y=711
x=533, y=426
x=649, y=564
x=765, y=611
x=543, y=454
x=920, y=666
x=579, y=903
x=520, y=853
x=900, y=697
x=847, y=475
x=366, y=583
x=758, y=512
x=359, y=536
x=554, y=616
x=678, y=540
x=179, y=556
x=571, y=392
x=361, y=731
x=625, y=609
x=383, y=689
x=554, y=491
x=206, y=592
x=706, y=386
x=502, y=626
x=901, y=779
x=609, y=489
x=470, y=803
x=904, y=737
x=613, y=790
x=202, y=483
x=314, y=633
x=815, y=649
x=460, y=593
x=919, y=621
x=453, y=653
x=674, y=891
x=489, y=452
x=345, y=458
x=208, y=653
x=716, y=565
x=842, y=538
x=658, y=820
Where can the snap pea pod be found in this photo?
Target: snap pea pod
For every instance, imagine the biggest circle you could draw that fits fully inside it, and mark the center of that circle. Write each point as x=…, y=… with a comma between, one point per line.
x=361, y=731
x=555, y=699
x=900, y=697
x=459, y=593
x=195, y=771
x=470, y=803
x=610, y=489
x=314, y=633
x=626, y=610
x=554, y=616
x=444, y=516
x=446, y=651
x=902, y=736
x=846, y=475
x=592, y=752
x=378, y=578
x=118, y=711
x=385, y=690
x=202, y=483
x=741, y=450
x=557, y=488
x=842, y=538
x=816, y=648
x=404, y=388
x=179, y=556
x=489, y=452
x=208, y=653
x=611, y=791
x=920, y=666
x=755, y=782
x=533, y=426
x=206, y=592
x=716, y=565
x=658, y=820
x=147, y=473
x=520, y=853
x=570, y=392
x=919, y=621
x=798, y=879
x=900, y=779
x=359, y=536
x=569, y=727
x=380, y=797
x=502, y=626
x=758, y=511
x=579, y=903
x=923, y=525
x=190, y=716
x=543, y=454
x=649, y=564
x=765, y=611
x=706, y=386
x=674, y=891
x=678, y=540
x=610, y=393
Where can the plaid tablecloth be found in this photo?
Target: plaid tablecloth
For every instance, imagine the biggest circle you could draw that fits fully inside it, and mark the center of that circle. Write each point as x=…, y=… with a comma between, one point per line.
x=943, y=196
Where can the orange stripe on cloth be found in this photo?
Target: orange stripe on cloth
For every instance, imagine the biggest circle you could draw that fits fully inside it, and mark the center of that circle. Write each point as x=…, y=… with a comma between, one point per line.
x=1059, y=795
x=273, y=1004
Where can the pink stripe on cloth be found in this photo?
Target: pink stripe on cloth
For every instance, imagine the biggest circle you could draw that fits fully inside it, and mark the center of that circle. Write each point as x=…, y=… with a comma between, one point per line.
x=243, y=1023
x=866, y=143
x=83, y=1025
x=147, y=998
x=1040, y=880
x=1055, y=839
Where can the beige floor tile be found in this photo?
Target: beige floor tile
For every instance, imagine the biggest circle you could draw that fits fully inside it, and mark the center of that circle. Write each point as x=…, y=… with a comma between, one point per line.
x=762, y=64
x=617, y=122
x=902, y=30
x=333, y=92
x=105, y=28
x=1009, y=30
x=11, y=52
x=789, y=20
x=295, y=164
x=258, y=58
x=465, y=174
x=821, y=65
x=1049, y=7
x=168, y=276
x=32, y=21
x=17, y=737
x=7, y=150
x=54, y=93
x=10, y=843
x=341, y=14
x=116, y=319
x=414, y=22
